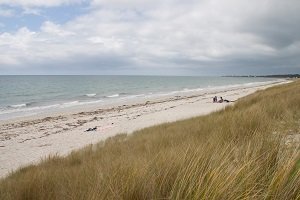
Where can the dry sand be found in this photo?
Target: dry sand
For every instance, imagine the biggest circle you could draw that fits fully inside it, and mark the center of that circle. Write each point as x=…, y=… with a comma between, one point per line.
x=26, y=141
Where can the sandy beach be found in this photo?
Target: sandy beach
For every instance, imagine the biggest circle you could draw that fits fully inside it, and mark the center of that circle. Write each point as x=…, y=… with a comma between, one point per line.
x=26, y=141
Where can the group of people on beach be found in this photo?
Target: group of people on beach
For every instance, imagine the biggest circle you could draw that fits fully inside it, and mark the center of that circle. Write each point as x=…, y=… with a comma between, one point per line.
x=215, y=100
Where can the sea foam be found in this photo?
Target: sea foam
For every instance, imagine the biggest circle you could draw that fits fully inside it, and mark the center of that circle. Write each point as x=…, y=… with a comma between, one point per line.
x=113, y=96
x=18, y=105
x=91, y=95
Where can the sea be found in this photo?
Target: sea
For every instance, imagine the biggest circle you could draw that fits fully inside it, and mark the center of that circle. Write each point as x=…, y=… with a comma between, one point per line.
x=22, y=96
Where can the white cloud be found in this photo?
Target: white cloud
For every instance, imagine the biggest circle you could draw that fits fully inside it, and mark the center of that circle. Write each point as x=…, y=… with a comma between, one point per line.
x=55, y=29
x=39, y=3
x=20, y=40
x=15, y=47
x=127, y=3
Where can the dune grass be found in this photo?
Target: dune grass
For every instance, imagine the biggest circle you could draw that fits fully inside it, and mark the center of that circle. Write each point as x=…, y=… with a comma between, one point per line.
x=241, y=152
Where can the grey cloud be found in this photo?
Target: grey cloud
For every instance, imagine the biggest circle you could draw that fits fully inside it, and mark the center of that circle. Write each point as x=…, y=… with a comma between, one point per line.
x=184, y=37
x=278, y=25
x=97, y=64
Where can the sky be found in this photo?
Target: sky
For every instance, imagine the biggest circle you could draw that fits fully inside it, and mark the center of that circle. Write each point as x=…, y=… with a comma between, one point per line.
x=150, y=37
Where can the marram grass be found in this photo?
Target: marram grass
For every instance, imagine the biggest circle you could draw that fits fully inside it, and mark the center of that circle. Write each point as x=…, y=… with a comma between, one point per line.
x=241, y=152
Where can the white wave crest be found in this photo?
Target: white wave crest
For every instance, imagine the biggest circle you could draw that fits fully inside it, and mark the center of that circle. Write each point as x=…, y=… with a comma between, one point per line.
x=113, y=96
x=91, y=95
x=18, y=105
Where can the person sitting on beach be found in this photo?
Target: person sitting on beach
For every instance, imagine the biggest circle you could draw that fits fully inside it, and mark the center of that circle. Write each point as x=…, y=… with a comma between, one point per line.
x=224, y=100
x=221, y=100
x=215, y=99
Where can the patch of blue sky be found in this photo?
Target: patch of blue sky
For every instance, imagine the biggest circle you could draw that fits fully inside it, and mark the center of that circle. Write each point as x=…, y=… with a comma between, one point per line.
x=12, y=24
x=64, y=14
x=33, y=20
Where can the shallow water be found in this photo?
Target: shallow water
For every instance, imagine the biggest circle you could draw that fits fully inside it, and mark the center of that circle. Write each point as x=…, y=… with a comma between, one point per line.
x=28, y=95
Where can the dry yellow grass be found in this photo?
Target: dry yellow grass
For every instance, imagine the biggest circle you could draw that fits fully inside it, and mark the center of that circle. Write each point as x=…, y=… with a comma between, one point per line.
x=236, y=153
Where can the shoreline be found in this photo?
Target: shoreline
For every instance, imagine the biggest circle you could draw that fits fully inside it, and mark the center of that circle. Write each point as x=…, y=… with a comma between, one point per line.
x=90, y=106
x=33, y=109
x=25, y=141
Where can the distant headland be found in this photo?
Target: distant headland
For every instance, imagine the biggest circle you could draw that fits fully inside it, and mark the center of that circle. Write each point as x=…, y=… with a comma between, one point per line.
x=269, y=76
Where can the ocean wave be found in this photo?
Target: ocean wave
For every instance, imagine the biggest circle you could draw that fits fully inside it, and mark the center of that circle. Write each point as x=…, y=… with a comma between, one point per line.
x=78, y=103
x=90, y=95
x=71, y=103
x=184, y=90
x=192, y=90
x=18, y=105
x=134, y=96
x=24, y=108
x=113, y=96
x=124, y=93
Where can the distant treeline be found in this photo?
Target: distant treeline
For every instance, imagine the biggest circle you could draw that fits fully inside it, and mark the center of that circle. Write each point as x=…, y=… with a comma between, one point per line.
x=273, y=76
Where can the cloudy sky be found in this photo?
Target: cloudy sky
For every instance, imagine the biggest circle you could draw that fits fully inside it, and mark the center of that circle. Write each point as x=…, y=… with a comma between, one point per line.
x=152, y=37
